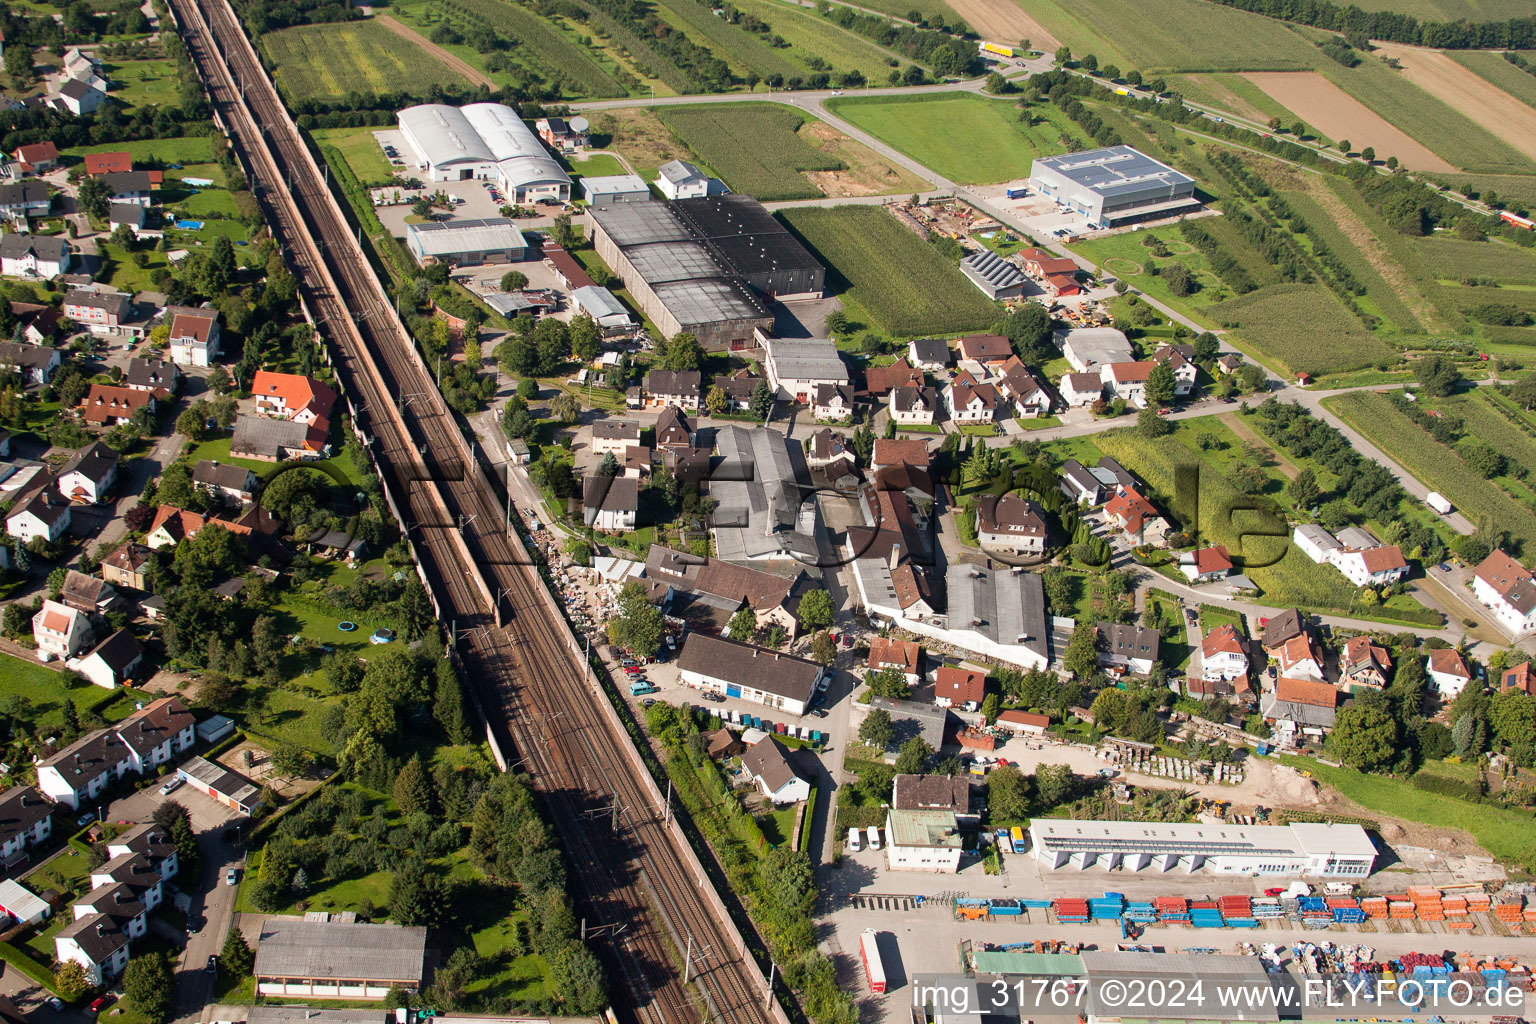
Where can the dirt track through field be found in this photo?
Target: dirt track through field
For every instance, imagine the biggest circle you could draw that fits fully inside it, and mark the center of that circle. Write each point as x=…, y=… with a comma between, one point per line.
x=1248, y=435
x=1466, y=91
x=1338, y=115
x=455, y=64
x=1005, y=22
x=1227, y=98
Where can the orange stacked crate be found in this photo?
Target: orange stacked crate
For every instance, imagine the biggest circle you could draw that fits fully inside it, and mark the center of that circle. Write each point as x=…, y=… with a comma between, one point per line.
x=1400, y=910
x=1455, y=906
x=1375, y=907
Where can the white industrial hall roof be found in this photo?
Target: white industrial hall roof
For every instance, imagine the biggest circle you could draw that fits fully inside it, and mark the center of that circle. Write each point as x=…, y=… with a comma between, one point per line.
x=487, y=133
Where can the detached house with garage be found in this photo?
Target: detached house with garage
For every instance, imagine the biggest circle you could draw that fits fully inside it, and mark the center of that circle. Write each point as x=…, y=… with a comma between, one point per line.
x=614, y=437
x=1132, y=649
x=832, y=403
x=680, y=388
x=961, y=688
x=768, y=763
x=1182, y=359
x=1448, y=671
x=931, y=354
x=44, y=516
x=194, y=338
x=610, y=503
x=1223, y=656
x=1127, y=381
x=111, y=663
x=1206, y=565
x=904, y=656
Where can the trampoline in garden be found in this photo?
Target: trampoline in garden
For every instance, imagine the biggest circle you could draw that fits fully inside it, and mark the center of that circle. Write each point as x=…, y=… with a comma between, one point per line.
x=190, y=225
x=346, y=627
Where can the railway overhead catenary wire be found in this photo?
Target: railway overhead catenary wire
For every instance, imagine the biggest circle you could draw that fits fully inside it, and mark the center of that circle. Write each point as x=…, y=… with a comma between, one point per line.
x=633, y=869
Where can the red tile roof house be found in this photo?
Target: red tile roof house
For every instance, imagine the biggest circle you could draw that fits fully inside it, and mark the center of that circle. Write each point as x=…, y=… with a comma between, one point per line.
x=108, y=163
x=1223, y=656
x=37, y=157
x=1448, y=671
x=991, y=350
x=1135, y=517
x=1521, y=677
x=904, y=656
x=893, y=452
x=1507, y=587
x=970, y=402
x=1364, y=665
x=960, y=688
x=1206, y=565
x=1127, y=381
x=106, y=405
x=879, y=380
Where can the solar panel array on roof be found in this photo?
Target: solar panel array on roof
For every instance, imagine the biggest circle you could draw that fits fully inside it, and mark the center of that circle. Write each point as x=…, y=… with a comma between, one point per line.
x=1117, y=183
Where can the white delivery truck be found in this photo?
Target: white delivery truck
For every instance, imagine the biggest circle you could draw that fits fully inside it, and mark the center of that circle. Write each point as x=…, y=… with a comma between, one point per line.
x=1438, y=502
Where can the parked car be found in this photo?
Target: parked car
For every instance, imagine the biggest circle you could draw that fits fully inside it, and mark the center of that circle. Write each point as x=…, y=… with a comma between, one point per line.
x=171, y=786
x=100, y=1003
x=633, y=670
x=56, y=1004
x=85, y=819
x=231, y=877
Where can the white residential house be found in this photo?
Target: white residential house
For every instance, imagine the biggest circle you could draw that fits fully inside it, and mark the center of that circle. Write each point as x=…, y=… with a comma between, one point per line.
x=112, y=662
x=34, y=257
x=1315, y=542
x=1182, y=359
x=97, y=309
x=152, y=842
x=1026, y=391
x=614, y=437
x=768, y=763
x=1133, y=649
x=930, y=354
x=194, y=337
x=796, y=366
x=833, y=403
x=1300, y=658
x=22, y=199
x=1009, y=525
x=1127, y=381
x=80, y=98
x=970, y=402
x=81, y=771
x=98, y=944
x=89, y=474
x=1222, y=655
x=1448, y=671
x=1374, y=567
x=60, y=631
x=610, y=503
x=681, y=180
x=156, y=733
x=45, y=515
x=119, y=903
x=1078, y=389
x=1135, y=517
x=26, y=820
x=913, y=406
x=1506, y=587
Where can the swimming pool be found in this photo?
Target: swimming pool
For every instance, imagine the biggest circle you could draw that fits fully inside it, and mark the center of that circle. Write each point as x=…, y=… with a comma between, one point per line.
x=189, y=225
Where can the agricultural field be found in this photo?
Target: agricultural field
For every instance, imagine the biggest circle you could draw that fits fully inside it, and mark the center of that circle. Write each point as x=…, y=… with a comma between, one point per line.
x=1303, y=327
x=1449, y=133
x=745, y=51
x=890, y=278
x=1338, y=115
x=1124, y=256
x=1518, y=191
x=1228, y=91
x=1454, y=259
x=1185, y=35
x=541, y=46
x=1379, y=298
x=811, y=36
x=1468, y=93
x=1451, y=10
x=639, y=136
x=1437, y=465
x=754, y=149
x=327, y=61
x=1498, y=72
x=984, y=141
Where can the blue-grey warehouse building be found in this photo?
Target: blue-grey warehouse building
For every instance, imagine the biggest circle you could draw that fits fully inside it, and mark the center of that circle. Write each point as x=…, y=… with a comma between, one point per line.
x=1114, y=186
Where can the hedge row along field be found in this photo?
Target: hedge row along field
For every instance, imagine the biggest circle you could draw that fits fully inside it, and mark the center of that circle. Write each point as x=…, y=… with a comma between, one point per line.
x=754, y=148
x=901, y=283
x=325, y=62
x=1437, y=465
x=541, y=46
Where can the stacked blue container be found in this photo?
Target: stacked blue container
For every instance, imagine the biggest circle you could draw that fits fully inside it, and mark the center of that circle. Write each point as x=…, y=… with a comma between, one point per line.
x=1241, y=922
x=1006, y=908
x=1143, y=912
x=1206, y=917
x=1348, y=915
x=1109, y=907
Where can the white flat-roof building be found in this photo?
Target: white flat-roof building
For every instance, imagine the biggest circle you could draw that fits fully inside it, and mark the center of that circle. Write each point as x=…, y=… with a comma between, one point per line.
x=467, y=243
x=1115, y=185
x=1300, y=849
x=614, y=188
x=483, y=140
x=796, y=365
x=923, y=840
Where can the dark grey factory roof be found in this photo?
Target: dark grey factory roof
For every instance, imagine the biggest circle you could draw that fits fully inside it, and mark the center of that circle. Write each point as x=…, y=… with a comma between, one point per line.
x=758, y=485
x=289, y=947
x=806, y=359
x=1007, y=607
x=710, y=300
x=757, y=667
x=639, y=223
x=744, y=234
x=1114, y=170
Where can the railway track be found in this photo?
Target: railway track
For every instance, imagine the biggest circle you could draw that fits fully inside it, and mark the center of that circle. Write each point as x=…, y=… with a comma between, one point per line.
x=645, y=897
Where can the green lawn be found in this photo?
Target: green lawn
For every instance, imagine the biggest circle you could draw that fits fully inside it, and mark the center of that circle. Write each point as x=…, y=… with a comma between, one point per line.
x=1213, y=616
x=983, y=140
x=597, y=165
x=1509, y=835
x=189, y=150
x=140, y=83
x=361, y=151
x=45, y=688
x=520, y=976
